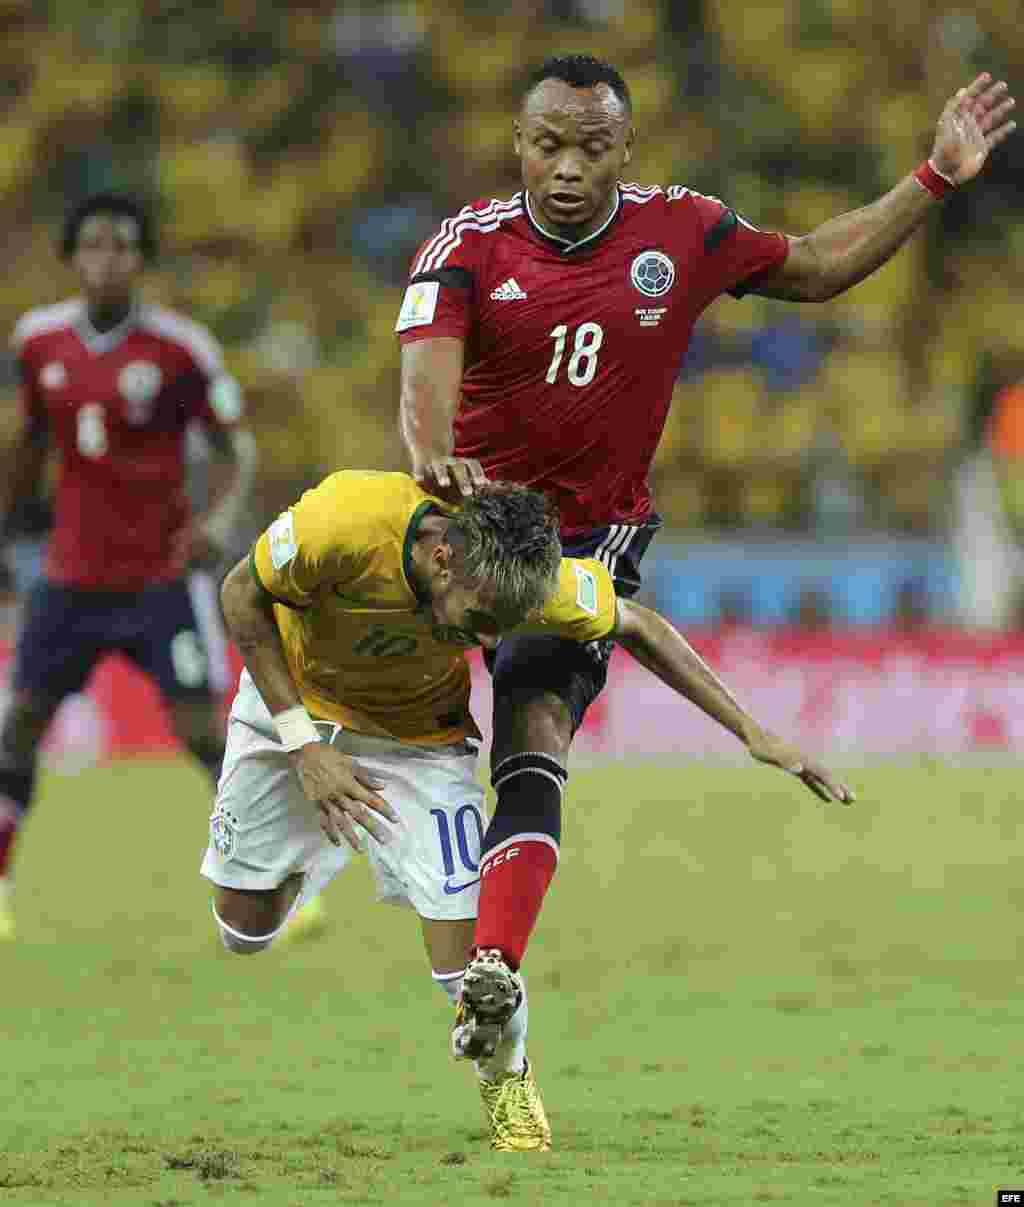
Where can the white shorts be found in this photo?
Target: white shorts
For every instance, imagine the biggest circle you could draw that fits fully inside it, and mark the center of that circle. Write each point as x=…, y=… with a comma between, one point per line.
x=263, y=828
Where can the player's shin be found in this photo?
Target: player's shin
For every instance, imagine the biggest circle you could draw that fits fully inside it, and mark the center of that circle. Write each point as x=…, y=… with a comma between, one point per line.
x=520, y=852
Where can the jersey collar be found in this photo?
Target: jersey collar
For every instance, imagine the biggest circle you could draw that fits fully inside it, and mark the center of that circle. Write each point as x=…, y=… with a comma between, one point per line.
x=567, y=246
x=99, y=342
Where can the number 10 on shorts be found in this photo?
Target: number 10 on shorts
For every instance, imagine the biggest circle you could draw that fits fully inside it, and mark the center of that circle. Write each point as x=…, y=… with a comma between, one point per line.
x=455, y=827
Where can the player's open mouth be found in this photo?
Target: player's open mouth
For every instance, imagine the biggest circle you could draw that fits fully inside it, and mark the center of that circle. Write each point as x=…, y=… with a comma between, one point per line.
x=566, y=202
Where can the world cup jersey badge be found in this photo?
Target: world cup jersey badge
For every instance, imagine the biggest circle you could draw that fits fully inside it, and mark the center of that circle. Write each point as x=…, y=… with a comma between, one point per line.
x=653, y=273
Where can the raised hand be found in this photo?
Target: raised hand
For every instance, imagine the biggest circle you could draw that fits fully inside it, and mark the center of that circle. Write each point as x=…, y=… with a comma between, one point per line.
x=768, y=748
x=973, y=122
x=451, y=478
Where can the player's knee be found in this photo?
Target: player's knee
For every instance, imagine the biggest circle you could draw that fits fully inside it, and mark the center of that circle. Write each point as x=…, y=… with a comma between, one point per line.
x=238, y=941
x=248, y=922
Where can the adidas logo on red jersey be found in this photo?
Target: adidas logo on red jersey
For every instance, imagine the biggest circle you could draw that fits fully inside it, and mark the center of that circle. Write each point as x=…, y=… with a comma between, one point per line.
x=508, y=292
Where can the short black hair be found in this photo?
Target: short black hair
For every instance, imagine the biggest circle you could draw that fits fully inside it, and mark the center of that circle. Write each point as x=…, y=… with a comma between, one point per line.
x=119, y=205
x=580, y=71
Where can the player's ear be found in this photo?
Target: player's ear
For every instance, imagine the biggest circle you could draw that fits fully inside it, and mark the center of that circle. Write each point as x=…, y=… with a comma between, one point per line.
x=441, y=560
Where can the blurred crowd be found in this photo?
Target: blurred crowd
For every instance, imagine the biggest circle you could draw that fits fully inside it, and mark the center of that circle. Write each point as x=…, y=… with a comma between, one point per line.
x=299, y=153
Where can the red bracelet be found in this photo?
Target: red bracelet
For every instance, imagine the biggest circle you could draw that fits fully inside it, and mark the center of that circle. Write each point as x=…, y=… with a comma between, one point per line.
x=936, y=184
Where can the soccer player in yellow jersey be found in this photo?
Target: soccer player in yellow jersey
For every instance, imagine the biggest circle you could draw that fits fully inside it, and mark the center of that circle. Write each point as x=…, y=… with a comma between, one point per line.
x=351, y=729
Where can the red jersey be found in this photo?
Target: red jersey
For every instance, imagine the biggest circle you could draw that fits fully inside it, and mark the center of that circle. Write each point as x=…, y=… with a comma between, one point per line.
x=573, y=349
x=117, y=405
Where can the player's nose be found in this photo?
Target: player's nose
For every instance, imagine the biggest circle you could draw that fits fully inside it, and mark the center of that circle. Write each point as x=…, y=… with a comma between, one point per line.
x=568, y=168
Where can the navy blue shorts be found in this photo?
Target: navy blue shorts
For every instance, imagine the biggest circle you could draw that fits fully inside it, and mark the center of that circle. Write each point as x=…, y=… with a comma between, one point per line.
x=528, y=664
x=66, y=631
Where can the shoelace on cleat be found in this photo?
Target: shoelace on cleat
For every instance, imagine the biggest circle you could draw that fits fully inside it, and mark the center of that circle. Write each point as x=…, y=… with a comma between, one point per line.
x=514, y=1112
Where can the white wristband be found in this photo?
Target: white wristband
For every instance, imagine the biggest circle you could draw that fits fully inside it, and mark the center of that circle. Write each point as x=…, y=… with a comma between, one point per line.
x=295, y=728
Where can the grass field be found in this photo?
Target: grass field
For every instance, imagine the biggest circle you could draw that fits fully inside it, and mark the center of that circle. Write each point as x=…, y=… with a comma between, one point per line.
x=737, y=996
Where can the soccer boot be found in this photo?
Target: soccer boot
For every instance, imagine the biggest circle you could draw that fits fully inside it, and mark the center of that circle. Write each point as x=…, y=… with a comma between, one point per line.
x=516, y=1113
x=7, y=927
x=491, y=993
x=308, y=922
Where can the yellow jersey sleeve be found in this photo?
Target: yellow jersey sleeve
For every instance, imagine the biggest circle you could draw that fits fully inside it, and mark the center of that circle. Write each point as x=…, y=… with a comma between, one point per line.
x=319, y=542
x=583, y=606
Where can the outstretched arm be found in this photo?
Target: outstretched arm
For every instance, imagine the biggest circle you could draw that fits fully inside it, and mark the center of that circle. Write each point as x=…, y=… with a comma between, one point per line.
x=845, y=250
x=431, y=378
x=655, y=644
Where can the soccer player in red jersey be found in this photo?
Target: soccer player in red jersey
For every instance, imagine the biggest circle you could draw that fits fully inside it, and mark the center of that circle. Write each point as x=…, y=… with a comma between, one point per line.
x=113, y=384
x=541, y=339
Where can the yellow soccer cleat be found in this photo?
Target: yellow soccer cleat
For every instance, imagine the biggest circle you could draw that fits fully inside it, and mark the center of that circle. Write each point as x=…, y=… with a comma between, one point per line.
x=515, y=1112
x=8, y=931
x=308, y=922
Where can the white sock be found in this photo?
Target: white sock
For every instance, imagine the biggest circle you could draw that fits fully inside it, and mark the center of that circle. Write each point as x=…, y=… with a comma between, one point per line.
x=451, y=983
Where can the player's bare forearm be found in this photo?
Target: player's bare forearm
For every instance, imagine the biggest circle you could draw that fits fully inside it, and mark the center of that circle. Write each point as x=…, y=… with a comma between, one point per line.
x=655, y=644
x=843, y=251
x=231, y=497
x=249, y=617
x=22, y=476
x=431, y=377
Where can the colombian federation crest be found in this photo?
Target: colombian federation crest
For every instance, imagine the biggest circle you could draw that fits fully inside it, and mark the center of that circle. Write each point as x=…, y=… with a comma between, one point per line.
x=224, y=832
x=652, y=272
x=138, y=383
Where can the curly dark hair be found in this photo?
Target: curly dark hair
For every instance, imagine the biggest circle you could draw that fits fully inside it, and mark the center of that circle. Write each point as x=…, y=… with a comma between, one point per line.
x=580, y=71
x=508, y=535
x=117, y=205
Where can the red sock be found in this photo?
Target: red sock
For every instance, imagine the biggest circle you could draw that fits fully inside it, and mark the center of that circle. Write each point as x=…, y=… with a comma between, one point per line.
x=513, y=880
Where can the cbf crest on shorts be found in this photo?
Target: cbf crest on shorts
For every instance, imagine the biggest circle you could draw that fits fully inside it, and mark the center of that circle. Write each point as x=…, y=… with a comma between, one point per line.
x=652, y=272
x=224, y=832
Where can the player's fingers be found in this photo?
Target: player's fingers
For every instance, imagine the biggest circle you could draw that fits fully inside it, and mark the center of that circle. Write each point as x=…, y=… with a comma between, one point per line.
x=328, y=824
x=366, y=796
x=997, y=136
x=992, y=96
x=815, y=786
x=977, y=86
x=996, y=116
x=439, y=472
x=369, y=779
x=476, y=472
x=360, y=813
x=462, y=478
x=343, y=823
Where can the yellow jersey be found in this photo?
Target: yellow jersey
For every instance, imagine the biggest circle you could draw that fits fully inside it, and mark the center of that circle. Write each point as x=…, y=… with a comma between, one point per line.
x=359, y=642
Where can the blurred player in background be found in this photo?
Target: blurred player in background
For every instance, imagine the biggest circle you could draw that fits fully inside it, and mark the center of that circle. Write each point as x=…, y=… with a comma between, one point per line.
x=542, y=337
x=112, y=384
x=352, y=614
